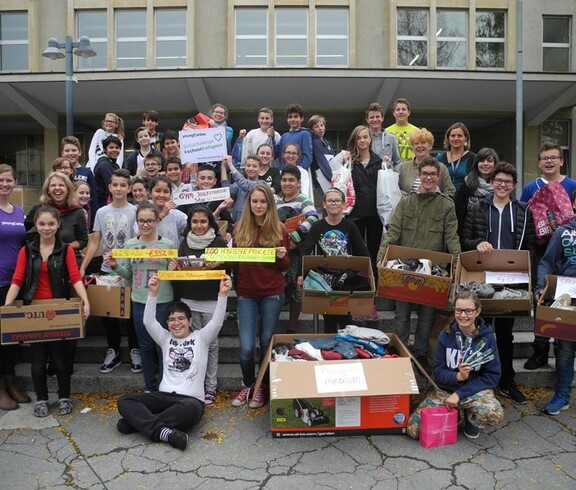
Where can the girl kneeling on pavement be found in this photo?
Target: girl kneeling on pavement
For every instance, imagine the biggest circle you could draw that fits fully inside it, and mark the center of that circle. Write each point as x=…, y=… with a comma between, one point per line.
x=167, y=414
x=45, y=269
x=467, y=386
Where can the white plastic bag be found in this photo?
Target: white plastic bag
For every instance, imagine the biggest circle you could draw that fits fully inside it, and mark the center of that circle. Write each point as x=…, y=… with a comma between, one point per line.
x=342, y=180
x=388, y=193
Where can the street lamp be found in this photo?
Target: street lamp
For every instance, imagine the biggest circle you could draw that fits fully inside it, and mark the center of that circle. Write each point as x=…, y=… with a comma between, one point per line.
x=53, y=51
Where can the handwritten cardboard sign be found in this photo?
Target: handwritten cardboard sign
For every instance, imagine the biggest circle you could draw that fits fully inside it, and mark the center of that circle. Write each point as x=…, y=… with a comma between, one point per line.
x=188, y=195
x=333, y=377
x=565, y=285
x=144, y=253
x=191, y=275
x=507, y=277
x=225, y=254
x=292, y=224
x=203, y=145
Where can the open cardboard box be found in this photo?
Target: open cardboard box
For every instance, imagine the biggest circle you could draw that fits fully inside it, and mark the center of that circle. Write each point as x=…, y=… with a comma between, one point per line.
x=109, y=301
x=45, y=319
x=556, y=323
x=307, y=399
x=472, y=266
x=420, y=289
x=338, y=302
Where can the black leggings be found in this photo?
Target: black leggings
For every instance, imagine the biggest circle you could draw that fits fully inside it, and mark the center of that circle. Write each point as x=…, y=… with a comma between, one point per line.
x=58, y=351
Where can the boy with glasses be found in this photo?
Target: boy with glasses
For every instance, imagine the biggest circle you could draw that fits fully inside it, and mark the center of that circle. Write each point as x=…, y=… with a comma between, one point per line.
x=498, y=222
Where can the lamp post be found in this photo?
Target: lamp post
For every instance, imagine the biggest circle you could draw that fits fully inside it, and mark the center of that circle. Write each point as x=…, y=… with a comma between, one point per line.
x=54, y=52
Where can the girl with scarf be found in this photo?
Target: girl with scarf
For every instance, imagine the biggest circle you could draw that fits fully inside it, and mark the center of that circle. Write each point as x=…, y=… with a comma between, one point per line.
x=201, y=296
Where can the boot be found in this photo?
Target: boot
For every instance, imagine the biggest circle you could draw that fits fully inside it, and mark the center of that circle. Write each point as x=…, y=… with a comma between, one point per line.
x=17, y=394
x=6, y=403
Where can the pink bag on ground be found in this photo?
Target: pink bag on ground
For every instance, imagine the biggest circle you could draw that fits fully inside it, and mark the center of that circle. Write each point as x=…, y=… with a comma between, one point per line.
x=438, y=426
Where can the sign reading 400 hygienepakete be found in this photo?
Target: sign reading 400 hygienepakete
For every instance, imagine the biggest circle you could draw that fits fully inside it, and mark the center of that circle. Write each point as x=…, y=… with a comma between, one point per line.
x=225, y=254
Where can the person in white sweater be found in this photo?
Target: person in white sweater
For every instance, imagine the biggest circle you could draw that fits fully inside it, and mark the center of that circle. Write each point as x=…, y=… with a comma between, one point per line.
x=167, y=414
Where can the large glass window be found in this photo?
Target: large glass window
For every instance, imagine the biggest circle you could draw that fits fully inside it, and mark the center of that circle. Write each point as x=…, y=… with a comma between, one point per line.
x=251, y=37
x=26, y=154
x=170, y=38
x=558, y=132
x=331, y=37
x=490, y=39
x=131, y=38
x=92, y=23
x=291, y=37
x=556, y=44
x=412, y=37
x=451, y=38
x=13, y=41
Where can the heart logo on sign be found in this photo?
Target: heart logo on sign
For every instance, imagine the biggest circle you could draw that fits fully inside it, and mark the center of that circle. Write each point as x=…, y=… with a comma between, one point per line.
x=218, y=137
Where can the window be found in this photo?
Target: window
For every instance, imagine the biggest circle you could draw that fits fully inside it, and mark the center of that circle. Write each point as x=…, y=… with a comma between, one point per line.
x=331, y=37
x=14, y=41
x=170, y=38
x=251, y=37
x=556, y=44
x=557, y=132
x=26, y=154
x=490, y=39
x=412, y=37
x=92, y=23
x=131, y=38
x=451, y=38
x=291, y=37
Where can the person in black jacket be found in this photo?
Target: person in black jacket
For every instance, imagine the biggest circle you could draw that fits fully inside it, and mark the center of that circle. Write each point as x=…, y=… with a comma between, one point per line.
x=105, y=167
x=501, y=222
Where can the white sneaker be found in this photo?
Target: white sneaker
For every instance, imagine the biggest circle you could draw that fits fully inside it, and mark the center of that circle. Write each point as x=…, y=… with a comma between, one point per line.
x=111, y=361
x=136, y=361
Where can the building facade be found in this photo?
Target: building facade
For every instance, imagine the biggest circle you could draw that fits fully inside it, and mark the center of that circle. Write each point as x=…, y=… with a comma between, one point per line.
x=454, y=60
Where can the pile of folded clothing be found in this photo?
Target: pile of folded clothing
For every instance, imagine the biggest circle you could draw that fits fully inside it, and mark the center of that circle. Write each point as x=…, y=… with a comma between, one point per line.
x=352, y=342
x=331, y=279
x=421, y=266
x=490, y=291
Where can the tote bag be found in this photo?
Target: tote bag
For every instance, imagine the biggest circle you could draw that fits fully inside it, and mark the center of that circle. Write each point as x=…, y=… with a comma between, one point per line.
x=551, y=207
x=388, y=193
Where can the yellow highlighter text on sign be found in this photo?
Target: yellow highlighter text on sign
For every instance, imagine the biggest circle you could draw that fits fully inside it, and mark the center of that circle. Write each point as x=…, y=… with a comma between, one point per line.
x=191, y=275
x=225, y=254
x=144, y=253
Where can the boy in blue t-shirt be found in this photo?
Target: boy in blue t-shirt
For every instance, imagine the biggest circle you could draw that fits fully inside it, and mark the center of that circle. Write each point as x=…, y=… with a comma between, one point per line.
x=297, y=134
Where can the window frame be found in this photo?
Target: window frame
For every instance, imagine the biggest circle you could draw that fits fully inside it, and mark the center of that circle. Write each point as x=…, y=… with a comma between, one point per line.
x=552, y=45
x=93, y=41
x=260, y=37
x=292, y=37
x=130, y=39
x=412, y=38
x=452, y=39
x=334, y=37
x=490, y=40
x=15, y=42
x=160, y=39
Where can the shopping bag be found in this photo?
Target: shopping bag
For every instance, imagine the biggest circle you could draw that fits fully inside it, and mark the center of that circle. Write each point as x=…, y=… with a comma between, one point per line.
x=551, y=207
x=199, y=121
x=342, y=180
x=438, y=426
x=388, y=193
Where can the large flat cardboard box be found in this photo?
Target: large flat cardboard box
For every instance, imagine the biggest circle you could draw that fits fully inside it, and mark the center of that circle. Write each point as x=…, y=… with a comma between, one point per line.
x=109, y=301
x=556, y=323
x=420, y=289
x=49, y=319
x=472, y=266
x=338, y=302
x=336, y=398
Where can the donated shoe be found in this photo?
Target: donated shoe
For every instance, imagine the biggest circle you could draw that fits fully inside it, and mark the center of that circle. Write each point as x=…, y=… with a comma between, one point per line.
x=482, y=290
x=65, y=406
x=242, y=397
x=259, y=398
x=557, y=404
x=41, y=409
x=536, y=360
x=564, y=301
x=232, y=316
x=209, y=397
x=111, y=361
x=373, y=317
x=425, y=267
x=135, y=361
x=470, y=431
x=507, y=293
x=512, y=391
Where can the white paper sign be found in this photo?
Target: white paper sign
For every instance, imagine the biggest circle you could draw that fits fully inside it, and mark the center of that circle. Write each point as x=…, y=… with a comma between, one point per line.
x=340, y=377
x=348, y=411
x=507, y=277
x=565, y=285
x=187, y=195
x=203, y=145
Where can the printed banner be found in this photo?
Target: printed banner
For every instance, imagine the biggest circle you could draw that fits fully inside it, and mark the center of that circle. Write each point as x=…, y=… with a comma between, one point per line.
x=203, y=145
x=144, y=253
x=188, y=195
x=240, y=254
x=191, y=275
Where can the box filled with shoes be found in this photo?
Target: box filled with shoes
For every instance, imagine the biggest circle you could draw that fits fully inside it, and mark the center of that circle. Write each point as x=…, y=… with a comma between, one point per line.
x=556, y=318
x=500, y=278
x=415, y=275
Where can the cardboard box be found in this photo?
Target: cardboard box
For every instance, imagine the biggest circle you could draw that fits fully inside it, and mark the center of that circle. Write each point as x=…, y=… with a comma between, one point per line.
x=376, y=399
x=472, y=266
x=420, y=289
x=48, y=319
x=338, y=302
x=109, y=301
x=556, y=323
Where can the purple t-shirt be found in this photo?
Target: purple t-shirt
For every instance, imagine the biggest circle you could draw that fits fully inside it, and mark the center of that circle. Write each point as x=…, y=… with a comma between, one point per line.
x=13, y=233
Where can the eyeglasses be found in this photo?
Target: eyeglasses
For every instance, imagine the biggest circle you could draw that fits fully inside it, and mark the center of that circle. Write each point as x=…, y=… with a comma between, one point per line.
x=291, y=153
x=426, y=175
x=333, y=201
x=148, y=222
x=466, y=311
x=107, y=121
x=151, y=165
x=554, y=158
x=506, y=183
x=179, y=319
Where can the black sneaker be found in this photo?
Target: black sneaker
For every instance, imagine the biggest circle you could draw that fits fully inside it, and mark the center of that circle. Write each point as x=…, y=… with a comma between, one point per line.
x=470, y=431
x=111, y=361
x=512, y=391
x=178, y=439
x=124, y=427
x=536, y=361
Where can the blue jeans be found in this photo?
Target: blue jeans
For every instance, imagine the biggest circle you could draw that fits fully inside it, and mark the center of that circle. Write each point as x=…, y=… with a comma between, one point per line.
x=565, y=353
x=150, y=352
x=253, y=313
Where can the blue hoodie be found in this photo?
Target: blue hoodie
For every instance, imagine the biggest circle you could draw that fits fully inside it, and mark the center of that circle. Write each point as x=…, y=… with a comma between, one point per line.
x=560, y=256
x=446, y=359
x=303, y=138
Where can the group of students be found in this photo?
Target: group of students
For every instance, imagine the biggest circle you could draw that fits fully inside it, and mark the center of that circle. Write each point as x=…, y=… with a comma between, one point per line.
x=175, y=344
